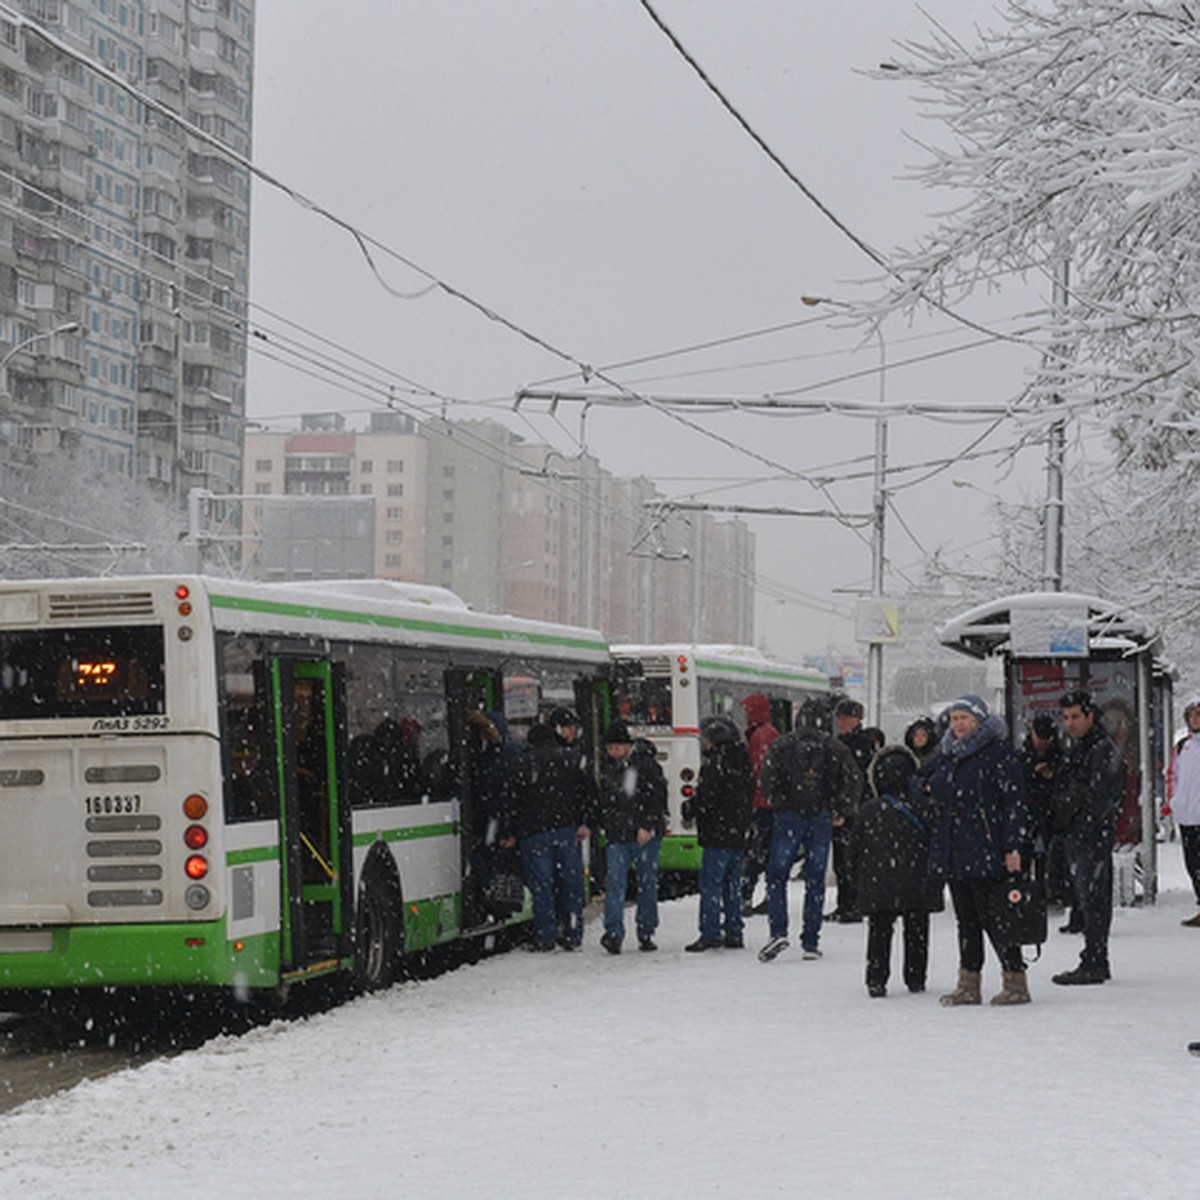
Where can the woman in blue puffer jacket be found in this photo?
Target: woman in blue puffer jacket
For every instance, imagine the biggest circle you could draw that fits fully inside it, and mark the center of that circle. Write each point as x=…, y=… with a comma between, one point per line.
x=981, y=833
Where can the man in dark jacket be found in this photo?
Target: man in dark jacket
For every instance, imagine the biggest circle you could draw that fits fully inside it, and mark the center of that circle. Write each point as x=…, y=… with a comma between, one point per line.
x=633, y=817
x=1040, y=756
x=760, y=733
x=813, y=784
x=721, y=807
x=547, y=793
x=847, y=718
x=1087, y=800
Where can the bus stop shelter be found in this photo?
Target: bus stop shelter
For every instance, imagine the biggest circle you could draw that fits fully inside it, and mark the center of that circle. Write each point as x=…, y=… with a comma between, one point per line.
x=1039, y=645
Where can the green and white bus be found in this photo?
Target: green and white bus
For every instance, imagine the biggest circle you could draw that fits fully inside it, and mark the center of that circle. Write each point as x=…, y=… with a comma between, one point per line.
x=664, y=691
x=210, y=782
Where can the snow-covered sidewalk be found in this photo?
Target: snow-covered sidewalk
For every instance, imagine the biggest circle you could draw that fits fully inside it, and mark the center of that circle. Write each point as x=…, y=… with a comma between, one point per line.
x=667, y=1075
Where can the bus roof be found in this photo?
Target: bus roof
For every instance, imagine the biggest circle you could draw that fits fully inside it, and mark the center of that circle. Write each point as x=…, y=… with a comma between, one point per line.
x=410, y=614
x=747, y=662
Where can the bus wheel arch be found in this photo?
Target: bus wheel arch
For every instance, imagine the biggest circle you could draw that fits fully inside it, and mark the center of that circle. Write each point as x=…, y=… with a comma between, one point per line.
x=379, y=923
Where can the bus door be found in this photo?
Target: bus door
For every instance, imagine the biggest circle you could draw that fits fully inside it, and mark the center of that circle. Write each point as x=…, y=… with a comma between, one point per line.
x=317, y=906
x=468, y=692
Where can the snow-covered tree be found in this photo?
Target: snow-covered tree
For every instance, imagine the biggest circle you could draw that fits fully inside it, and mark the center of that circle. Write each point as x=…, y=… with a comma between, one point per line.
x=59, y=519
x=1075, y=130
x=1074, y=136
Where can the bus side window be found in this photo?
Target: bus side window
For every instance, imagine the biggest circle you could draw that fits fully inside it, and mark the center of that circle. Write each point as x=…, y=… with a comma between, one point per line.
x=249, y=763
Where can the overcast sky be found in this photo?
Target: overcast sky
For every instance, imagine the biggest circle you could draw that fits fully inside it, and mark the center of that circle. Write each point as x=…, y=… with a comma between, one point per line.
x=563, y=166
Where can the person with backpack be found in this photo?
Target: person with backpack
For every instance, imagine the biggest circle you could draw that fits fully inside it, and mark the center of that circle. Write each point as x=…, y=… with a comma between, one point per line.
x=891, y=850
x=813, y=784
x=721, y=807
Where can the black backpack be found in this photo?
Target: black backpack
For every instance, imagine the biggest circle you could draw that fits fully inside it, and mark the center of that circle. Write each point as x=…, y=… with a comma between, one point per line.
x=810, y=775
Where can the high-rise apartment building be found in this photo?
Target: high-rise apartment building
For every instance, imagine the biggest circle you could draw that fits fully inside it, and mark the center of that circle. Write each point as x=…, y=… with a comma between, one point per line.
x=512, y=526
x=123, y=238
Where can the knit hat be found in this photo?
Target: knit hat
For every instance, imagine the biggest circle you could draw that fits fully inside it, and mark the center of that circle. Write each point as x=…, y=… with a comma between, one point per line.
x=890, y=771
x=562, y=716
x=1191, y=705
x=970, y=704
x=617, y=734
x=719, y=730
x=846, y=707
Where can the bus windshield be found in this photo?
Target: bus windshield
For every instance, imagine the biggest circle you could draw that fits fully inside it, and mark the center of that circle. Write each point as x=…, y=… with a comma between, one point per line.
x=91, y=672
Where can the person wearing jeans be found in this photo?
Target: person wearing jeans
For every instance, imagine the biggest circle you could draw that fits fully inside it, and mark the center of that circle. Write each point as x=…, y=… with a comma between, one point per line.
x=547, y=792
x=813, y=784
x=813, y=835
x=643, y=858
x=721, y=809
x=633, y=817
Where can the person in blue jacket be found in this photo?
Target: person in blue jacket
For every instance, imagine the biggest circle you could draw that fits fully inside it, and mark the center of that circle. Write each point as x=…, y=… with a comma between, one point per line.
x=980, y=833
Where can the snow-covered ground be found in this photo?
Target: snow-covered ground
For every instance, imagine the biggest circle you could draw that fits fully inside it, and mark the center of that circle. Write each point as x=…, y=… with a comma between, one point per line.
x=669, y=1075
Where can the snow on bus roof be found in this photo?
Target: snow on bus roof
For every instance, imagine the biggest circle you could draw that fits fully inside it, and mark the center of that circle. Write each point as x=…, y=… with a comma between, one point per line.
x=384, y=589
x=731, y=653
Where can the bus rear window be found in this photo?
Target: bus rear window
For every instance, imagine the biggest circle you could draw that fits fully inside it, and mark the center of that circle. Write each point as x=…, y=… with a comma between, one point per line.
x=643, y=701
x=98, y=672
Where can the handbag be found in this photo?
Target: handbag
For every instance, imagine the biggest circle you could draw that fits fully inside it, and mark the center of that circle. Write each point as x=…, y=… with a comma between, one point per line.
x=504, y=892
x=1016, y=910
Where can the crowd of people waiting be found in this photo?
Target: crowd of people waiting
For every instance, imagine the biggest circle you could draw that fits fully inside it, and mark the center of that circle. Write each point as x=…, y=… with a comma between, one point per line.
x=953, y=808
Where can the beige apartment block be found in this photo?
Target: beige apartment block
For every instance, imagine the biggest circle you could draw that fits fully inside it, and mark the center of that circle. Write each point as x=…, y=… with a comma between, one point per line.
x=514, y=526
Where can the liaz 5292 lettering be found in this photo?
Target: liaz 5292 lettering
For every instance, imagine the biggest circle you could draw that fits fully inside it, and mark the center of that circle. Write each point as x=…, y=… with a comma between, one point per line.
x=206, y=782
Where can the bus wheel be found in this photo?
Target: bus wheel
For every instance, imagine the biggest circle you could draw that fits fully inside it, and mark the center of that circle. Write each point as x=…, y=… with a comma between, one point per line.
x=379, y=939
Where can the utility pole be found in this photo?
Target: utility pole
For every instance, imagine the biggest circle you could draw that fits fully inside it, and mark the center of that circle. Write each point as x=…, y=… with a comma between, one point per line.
x=1052, y=517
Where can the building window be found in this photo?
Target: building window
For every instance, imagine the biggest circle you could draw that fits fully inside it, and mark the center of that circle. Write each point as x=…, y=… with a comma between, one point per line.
x=365, y=489
x=395, y=489
x=392, y=560
x=448, y=495
x=395, y=513
x=262, y=489
x=395, y=466
x=262, y=464
x=447, y=472
x=366, y=466
x=395, y=536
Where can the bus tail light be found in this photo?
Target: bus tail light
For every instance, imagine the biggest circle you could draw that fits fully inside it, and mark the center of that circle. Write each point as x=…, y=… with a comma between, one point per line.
x=196, y=866
x=194, y=807
x=687, y=789
x=195, y=837
x=687, y=774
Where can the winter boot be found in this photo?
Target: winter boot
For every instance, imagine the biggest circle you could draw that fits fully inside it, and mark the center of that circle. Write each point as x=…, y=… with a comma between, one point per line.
x=967, y=991
x=1014, y=989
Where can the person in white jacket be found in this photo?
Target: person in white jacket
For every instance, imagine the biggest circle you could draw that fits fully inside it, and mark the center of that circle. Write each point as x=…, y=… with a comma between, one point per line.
x=1183, y=797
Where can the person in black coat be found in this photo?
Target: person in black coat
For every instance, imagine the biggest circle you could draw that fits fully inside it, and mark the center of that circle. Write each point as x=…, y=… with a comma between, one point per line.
x=891, y=850
x=721, y=808
x=633, y=817
x=1089, y=792
x=980, y=834
x=547, y=795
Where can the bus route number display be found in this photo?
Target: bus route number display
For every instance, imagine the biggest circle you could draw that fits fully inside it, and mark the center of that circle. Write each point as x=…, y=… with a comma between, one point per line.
x=95, y=676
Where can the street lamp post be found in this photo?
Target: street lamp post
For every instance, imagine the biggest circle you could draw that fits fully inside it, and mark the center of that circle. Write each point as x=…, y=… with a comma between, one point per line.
x=878, y=517
x=67, y=327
